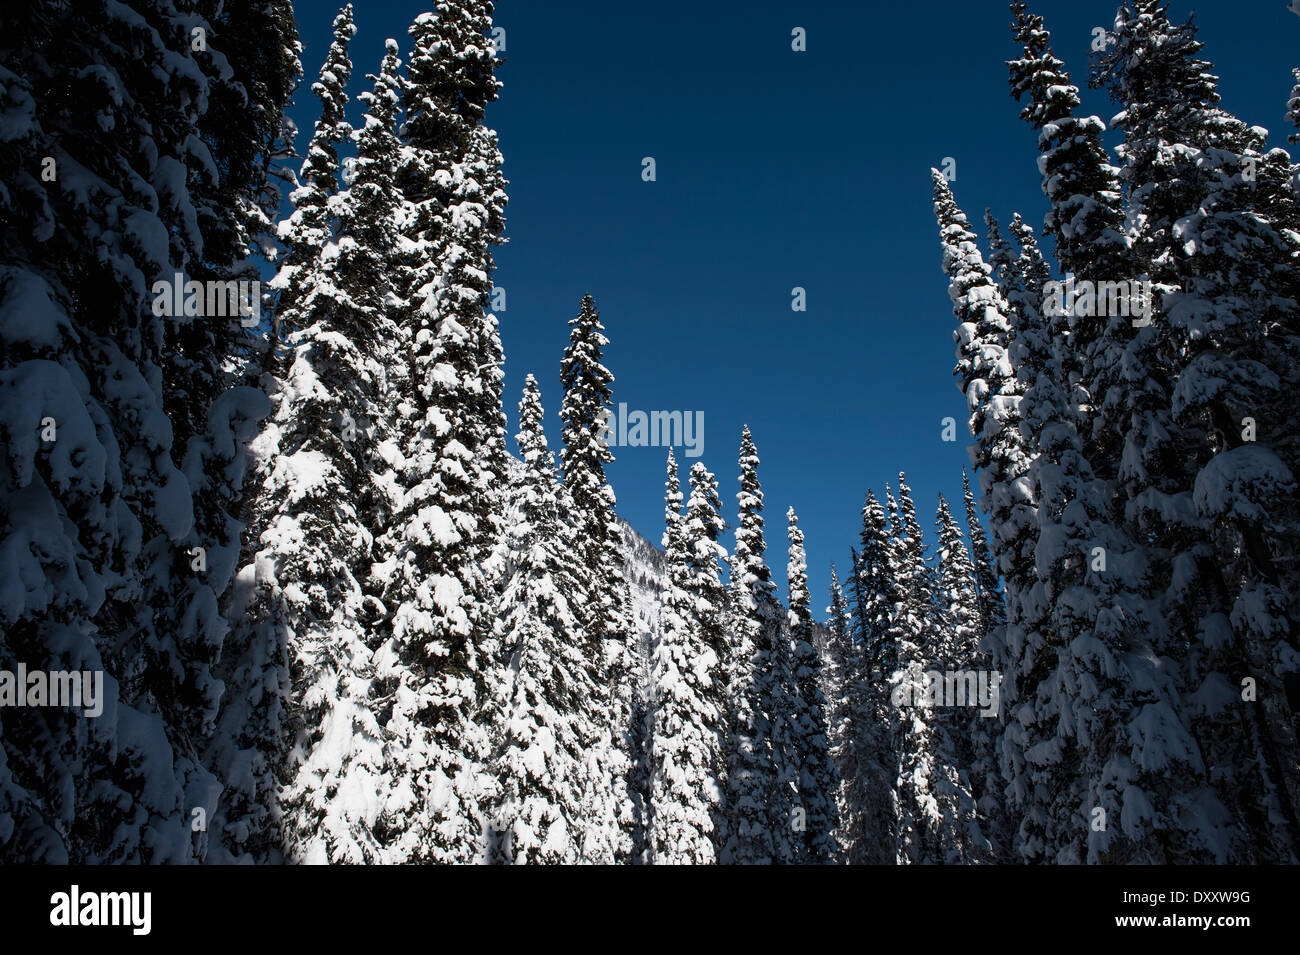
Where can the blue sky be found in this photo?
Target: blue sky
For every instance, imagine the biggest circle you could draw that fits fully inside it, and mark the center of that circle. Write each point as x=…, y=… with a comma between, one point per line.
x=775, y=169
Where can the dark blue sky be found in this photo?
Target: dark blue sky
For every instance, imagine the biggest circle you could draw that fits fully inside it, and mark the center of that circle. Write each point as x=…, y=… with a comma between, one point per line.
x=775, y=169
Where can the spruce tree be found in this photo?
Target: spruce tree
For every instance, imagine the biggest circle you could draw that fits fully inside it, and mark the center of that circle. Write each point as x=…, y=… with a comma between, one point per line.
x=702, y=528
x=986, y=732
x=606, y=616
x=815, y=779
x=868, y=800
x=1206, y=231
x=686, y=753
x=966, y=738
x=316, y=476
x=308, y=229
x=845, y=695
x=120, y=421
x=1085, y=220
x=251, y=64
x=987, y=377
x=440, y=654
x=930, y=796
x=538, y=813
x=755, y=624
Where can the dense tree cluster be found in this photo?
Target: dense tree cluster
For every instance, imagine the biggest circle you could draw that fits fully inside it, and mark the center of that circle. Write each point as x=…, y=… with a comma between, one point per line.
x=337, y=621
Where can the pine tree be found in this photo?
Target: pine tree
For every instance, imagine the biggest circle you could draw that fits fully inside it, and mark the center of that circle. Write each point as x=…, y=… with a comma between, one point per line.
x=118, y=421
x=986, y=732
x=1078, y=180
x=1022, y=277
x=315, y=497
x=930, y=827
x=541, y=762
x=1224, y=345
x=956, y=604
x=1085, y=220
x=702, y=528
x=250, y=138
x=845, y=694
x=686, y=752
x=868, y=796
x=755, y=624
x=308, y=229
x=243, y=127
x=965, y=738
x=606, y=618
x=434, y=668
x=988, y=379
x=815, y=778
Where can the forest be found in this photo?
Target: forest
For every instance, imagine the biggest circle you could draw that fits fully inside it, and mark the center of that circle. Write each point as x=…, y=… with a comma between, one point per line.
x=278, y=587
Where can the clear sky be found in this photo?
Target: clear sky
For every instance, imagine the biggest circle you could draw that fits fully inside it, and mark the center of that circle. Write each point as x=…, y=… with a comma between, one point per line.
x=775, y=169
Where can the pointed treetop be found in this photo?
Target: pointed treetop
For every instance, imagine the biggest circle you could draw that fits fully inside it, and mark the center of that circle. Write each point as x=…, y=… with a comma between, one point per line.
x=672, y=539
x=1153, y=64
x=450, y=92
x=751, y=568
x=1038, y=74
x=530, y=417
x=587, y=397
x=382, y=99
x=837, y=612
x=320, y=168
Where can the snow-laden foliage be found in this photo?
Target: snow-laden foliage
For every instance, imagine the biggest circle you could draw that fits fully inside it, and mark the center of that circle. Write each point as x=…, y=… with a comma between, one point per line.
x=686, y=779
x=538, y=815
x=122, y=435
x=757, y=804
x=336, y=622
x=606, y=623
x=815, y=821
x=433, y=670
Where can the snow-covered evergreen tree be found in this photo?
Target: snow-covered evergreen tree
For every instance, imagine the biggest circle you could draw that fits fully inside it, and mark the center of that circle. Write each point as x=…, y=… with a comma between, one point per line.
x=434, y=668
x=986, y=733
x=930, y=797
x=846, y=687
x=965, y=733
x=868, y=796
x=244, y=129
x=1080, y=183
x=754, y=827
x=538, y=815
x=986, y=376
x=702, y=528
x=815, y=774
x=605, y=616
x=1203, y=203
x=369, y=234
x=122, y=439
x=686, y=745
x=316, y=490
x=308, y=229
x=955, y=599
